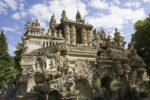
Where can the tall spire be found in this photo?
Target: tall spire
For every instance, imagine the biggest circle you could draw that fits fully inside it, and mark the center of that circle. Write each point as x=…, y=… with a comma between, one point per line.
x=53, y=23
x=78, y=16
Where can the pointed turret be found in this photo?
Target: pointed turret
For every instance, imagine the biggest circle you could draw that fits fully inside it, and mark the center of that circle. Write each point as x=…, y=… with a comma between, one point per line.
x=78, y=16
x=119, y=39
x=116, y=32
x=117, y=36
x=102, y=34
x=53, y=23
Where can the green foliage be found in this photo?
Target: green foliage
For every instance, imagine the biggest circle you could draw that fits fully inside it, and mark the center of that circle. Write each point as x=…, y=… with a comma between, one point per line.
x=115, y=85
x=7, y=70
x=18, y=53
x=3, y=48
x=141, y=40
x=97, y=84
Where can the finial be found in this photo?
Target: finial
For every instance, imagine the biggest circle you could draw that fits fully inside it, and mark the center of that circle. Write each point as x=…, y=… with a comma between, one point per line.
x=116, y=30
x=78, y=16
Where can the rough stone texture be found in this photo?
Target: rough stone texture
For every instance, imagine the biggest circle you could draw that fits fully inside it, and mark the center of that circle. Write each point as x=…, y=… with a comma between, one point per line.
x=70, y=61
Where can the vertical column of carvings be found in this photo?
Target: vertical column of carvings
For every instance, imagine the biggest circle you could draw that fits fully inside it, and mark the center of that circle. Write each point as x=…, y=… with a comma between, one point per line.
x=67, y=34
x=84, y=38
x=89, y=37
x=73, y=35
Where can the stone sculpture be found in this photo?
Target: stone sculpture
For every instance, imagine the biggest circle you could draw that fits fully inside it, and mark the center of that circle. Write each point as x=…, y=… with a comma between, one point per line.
x=72, y=61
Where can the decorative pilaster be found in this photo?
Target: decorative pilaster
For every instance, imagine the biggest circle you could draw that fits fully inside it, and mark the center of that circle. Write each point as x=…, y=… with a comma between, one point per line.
x=67, y=34
x=89, y=37
x=73, y=35
x=84, y=38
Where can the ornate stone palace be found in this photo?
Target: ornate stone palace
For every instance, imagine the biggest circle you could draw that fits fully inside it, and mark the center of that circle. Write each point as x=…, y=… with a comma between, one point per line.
x=72, y=61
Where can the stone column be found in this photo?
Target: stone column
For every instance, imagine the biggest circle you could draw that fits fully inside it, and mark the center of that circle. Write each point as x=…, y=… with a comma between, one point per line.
x=73, y=35
x=67, y=34
x=84, y=38
x=89, y=37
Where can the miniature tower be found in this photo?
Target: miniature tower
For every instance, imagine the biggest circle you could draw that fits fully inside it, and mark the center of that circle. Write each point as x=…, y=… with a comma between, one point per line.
x=35, y=27
x=78, y=16
x=53, y=25
x=63, y=16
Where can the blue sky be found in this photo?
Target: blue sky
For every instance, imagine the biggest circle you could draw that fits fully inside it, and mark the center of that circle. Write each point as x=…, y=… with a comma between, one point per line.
x=108, y=14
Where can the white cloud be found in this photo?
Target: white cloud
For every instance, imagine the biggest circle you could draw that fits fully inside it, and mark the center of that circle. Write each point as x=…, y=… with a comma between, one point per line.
x=116, y=2
x=12, y=4
x=3, y=7
x=21, y=6
x=8, y=29
x=99, y=4
x=133, y=4
x=146, y=1
x=19, y=15
x=41, y=12
x=117, y=17
x=16, y=16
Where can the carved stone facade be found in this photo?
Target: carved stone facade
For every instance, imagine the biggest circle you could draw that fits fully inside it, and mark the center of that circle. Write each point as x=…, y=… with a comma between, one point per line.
x=64, y=62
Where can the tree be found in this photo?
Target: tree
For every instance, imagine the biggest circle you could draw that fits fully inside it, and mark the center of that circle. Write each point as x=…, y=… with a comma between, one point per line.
x=18, y=53
x=4, y=58
x=141, y=40
x=7, y=70
x=3, y=48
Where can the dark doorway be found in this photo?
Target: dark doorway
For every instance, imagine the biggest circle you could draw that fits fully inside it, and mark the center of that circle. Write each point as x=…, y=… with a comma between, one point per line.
x=105, y=82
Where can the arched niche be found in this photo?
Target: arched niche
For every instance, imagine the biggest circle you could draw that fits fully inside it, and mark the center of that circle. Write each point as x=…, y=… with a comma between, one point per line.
x=106, y=81
x=84, y=88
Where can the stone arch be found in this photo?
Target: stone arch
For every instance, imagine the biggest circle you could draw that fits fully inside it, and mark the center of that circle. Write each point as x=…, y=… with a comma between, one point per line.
x=84, y=88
